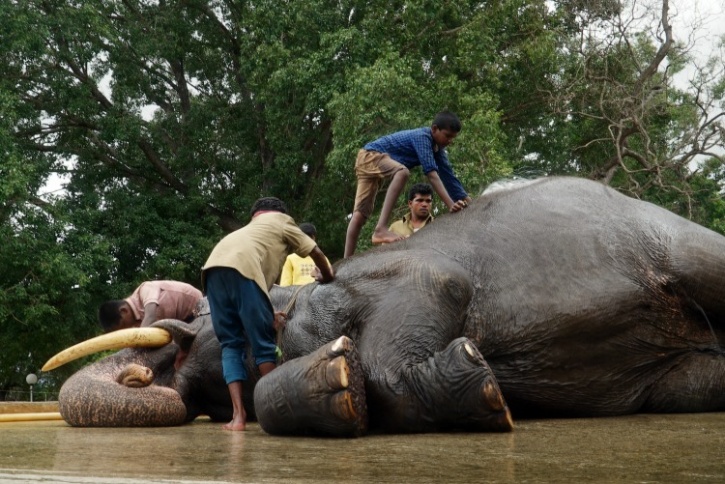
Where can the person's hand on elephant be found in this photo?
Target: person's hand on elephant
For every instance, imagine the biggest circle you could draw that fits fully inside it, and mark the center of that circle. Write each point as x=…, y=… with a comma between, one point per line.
x=458, y=206
x=280, y=320
x=319, y=277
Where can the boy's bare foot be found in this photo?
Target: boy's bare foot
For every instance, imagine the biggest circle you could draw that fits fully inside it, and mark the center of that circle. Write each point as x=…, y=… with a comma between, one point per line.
x=385, y=236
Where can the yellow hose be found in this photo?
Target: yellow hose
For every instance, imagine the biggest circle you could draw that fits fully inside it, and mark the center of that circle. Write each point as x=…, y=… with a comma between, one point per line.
x=27, y=417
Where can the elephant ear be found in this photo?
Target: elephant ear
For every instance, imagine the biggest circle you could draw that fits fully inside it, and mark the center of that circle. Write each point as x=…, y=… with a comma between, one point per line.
x=280, y=296
x=183, y=334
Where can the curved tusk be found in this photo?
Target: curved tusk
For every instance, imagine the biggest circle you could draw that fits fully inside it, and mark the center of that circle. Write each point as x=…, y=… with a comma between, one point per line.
x=123, y=338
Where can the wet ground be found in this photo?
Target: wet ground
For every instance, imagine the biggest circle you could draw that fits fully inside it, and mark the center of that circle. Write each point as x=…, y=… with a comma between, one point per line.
x=640, y=448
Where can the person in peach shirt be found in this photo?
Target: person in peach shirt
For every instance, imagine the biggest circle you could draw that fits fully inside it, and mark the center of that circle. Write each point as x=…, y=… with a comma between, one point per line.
x=151, y=301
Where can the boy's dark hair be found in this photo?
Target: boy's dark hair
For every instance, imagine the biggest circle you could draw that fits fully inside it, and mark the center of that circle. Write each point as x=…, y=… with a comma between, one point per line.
x=447, y=120
x=268, y=203
x=419, y=188
x=109, y=314
x=309, y=229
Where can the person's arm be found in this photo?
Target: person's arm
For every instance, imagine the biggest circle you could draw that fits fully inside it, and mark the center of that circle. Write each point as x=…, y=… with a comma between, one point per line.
x=440, y=189
x=326, y=273
x=287, y=273
x=452, y=184
x=149, y=314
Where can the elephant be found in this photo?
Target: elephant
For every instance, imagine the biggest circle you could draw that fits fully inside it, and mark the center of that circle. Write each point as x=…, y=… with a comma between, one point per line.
x=554, y=297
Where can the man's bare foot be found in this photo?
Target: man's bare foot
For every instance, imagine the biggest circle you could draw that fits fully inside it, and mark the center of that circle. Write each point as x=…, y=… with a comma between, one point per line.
x=385, y=236
x=238, y=423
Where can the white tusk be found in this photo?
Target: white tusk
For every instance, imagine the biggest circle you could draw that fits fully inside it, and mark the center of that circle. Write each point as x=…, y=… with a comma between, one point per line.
x=123, y=338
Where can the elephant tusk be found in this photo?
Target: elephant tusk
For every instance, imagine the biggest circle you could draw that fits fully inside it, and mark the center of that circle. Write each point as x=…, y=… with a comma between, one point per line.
x=123, y=338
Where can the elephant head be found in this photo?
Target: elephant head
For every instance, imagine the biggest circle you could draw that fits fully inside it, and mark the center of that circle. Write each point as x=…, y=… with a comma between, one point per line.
x=162, y=386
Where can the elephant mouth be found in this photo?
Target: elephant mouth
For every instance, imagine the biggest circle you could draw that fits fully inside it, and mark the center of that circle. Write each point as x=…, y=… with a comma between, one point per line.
x=123, y=338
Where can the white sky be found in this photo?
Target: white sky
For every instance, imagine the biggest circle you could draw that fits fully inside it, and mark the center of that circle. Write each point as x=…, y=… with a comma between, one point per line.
x=707, y=17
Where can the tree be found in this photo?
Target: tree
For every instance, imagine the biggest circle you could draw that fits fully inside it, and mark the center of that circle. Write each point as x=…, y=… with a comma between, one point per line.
x=626, y=122
x=170, y=118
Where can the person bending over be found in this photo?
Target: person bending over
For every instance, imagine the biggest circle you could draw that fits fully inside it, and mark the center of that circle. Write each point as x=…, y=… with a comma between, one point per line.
x=237, y=277
x=151, y=301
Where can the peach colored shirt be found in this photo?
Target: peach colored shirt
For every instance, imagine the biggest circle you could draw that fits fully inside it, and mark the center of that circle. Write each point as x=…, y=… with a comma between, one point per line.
x=176, y=300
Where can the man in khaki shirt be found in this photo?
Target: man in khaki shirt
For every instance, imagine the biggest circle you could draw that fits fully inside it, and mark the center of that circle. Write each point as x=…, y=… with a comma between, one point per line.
x=420, y=199
x=237, y=277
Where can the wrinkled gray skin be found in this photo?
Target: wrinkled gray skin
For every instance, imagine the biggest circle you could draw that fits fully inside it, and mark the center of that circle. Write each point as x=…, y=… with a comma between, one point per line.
x=93, y=396
x=583, y=302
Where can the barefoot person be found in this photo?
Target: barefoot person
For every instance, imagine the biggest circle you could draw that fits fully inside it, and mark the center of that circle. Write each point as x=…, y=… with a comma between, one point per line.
x=391, y=157
x=237, y=277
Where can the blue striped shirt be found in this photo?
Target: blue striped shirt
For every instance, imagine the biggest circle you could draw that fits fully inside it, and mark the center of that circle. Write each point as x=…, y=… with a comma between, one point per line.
x=415, y=147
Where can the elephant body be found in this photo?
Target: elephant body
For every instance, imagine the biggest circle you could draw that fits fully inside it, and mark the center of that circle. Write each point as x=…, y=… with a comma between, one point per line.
x=559, y=295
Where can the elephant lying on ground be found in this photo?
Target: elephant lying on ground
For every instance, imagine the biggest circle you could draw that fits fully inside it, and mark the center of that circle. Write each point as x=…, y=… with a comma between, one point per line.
x=582, y=301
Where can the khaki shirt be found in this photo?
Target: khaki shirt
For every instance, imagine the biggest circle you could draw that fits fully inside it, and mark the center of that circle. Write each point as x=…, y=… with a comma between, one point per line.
x=405, y=226
x=259, y=249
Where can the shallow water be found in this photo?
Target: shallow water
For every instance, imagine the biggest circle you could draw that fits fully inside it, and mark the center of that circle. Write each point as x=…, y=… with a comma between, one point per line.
x=639, y=448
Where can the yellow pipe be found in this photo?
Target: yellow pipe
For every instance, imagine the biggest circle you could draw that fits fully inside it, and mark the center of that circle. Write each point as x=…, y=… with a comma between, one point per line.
x=26, y=417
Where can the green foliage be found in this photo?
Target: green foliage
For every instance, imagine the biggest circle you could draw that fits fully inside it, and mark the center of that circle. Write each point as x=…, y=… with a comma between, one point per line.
x=170, y=118
x=51, y=276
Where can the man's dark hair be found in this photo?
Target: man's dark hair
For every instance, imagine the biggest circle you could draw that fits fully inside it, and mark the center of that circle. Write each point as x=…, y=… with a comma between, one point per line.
x=109, y=314
x=419, y=188
x=447, y=120
x=268, y=203
x=309, y=229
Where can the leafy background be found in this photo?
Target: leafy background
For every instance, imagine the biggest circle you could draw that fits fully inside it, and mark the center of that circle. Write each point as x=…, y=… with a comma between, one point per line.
x=166, y=119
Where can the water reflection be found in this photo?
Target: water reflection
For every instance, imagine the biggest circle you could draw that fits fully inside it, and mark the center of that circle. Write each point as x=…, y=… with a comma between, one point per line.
x=653, y=448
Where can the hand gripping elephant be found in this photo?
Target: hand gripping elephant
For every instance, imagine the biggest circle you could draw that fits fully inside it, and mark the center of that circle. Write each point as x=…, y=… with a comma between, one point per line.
x=553, y=297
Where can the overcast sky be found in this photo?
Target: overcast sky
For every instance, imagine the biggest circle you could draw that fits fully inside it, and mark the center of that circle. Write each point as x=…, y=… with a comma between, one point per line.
x=707, y=16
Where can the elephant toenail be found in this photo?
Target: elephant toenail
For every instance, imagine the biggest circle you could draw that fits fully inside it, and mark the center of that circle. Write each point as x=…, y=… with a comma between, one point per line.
x=470, y=350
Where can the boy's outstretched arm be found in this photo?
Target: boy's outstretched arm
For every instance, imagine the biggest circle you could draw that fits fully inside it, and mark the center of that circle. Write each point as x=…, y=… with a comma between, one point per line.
x=437, y=184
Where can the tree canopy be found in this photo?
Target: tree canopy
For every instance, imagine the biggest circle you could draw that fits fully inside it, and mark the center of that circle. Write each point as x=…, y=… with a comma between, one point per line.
x=167, y=119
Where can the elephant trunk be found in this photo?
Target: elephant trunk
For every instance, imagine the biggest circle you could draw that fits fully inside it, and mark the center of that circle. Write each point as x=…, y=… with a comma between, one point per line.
x=94, y=398
x=118, y=391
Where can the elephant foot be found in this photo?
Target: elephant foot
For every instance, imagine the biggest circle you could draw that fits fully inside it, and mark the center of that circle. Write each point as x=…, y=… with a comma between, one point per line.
x=456, y=390
x=321, y=393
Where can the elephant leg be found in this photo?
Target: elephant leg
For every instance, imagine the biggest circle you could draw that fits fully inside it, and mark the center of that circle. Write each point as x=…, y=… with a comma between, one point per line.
x=695, y=384
x=699, y=267
x=321, y=393
x=454, y=389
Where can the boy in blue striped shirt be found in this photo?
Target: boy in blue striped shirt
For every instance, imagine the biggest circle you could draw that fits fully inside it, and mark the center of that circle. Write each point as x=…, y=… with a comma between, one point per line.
x=392, y=157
